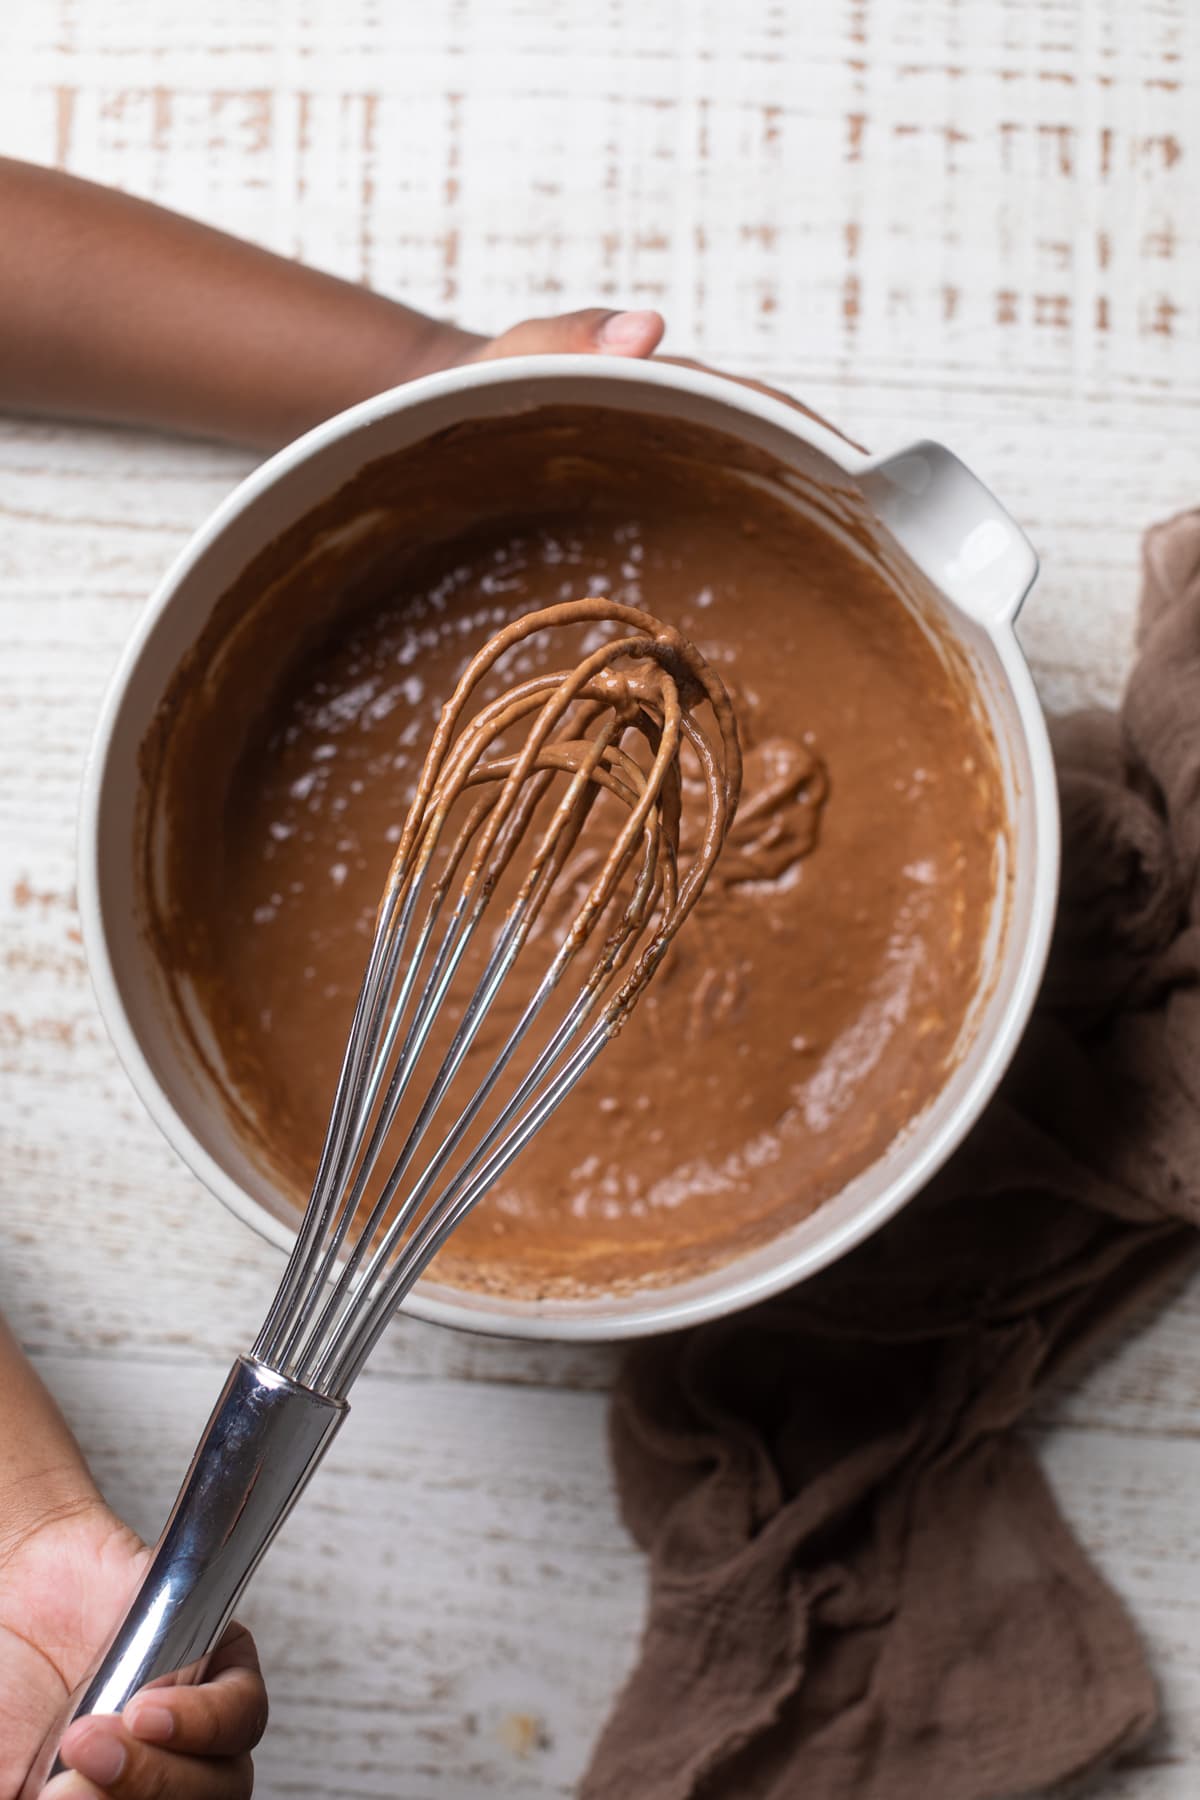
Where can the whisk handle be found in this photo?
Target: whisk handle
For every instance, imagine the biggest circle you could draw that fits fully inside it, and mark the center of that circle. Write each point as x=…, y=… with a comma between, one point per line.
x=263, y=1441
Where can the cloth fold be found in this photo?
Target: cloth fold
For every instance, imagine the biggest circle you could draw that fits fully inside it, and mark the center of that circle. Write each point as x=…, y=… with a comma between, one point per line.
x=861, y=1587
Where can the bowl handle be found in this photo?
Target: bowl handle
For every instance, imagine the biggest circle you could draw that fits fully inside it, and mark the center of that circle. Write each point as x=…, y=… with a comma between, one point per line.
x=954, y=528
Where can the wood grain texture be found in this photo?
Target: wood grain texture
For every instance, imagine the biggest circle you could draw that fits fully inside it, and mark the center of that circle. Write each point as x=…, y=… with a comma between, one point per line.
x=973, y=221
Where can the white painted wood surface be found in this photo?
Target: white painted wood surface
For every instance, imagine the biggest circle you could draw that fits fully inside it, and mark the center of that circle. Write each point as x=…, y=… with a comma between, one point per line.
x=977, y=220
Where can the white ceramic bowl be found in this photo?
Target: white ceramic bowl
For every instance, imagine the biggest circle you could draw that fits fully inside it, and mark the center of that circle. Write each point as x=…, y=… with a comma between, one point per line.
x=950, y=549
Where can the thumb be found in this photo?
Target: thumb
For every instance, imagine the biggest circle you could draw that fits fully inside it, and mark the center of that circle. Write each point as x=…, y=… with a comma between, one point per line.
x=593, y=330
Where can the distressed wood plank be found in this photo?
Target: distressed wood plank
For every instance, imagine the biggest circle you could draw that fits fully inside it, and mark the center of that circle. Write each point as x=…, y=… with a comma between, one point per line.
x=976, y=223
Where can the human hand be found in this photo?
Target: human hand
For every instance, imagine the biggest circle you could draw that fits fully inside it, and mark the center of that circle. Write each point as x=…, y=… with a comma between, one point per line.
x=595, y=331
x=64, y=1584
x=237, y=343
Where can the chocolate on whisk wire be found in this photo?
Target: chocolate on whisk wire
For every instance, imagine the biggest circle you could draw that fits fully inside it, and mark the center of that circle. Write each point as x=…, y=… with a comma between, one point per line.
x=640, y=688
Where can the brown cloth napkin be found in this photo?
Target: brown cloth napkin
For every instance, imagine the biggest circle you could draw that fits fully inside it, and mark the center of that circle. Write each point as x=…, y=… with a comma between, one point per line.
x=860, y=1585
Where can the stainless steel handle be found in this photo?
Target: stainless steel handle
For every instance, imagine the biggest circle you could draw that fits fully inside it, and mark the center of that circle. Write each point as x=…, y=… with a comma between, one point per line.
x=263, y=1441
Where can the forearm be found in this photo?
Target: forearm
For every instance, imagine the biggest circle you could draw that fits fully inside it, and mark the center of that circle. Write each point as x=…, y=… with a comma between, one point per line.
x=111, y=308
x=42, y=1470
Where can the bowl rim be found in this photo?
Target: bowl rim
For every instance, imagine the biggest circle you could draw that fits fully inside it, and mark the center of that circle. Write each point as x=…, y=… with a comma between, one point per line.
x=640, y=1312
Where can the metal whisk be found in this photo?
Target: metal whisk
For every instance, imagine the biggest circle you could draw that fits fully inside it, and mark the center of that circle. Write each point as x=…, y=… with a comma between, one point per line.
x=505, y=793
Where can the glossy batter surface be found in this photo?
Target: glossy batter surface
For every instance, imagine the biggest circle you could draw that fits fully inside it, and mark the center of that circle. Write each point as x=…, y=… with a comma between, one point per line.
x=813, y=1003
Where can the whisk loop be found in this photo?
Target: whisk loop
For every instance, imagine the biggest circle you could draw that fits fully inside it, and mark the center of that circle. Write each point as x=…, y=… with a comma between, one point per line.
x=615, y=724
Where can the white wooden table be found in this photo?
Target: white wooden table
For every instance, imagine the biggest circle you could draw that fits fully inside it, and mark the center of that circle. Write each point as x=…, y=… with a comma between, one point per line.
x=977, y=220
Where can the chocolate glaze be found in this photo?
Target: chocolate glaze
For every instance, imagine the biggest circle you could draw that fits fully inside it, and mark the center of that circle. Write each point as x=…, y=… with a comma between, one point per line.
x=817, y=997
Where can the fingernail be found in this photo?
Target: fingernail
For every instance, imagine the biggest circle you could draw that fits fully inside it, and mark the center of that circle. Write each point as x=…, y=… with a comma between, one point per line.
x=153, y=1724
x=70, y=1787
x=100, y=1757
x=627, y=327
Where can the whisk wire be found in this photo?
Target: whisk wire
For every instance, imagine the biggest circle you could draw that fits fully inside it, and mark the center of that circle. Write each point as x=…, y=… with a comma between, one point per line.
x=348, y=1288
x=353, y=1263
x=352, y=1346
x=559, y=835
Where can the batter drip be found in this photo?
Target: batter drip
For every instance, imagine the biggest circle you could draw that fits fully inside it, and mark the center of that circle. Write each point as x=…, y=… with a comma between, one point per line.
x=818, y=996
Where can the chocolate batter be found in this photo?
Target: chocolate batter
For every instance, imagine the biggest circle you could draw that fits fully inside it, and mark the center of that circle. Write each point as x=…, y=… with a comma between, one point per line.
x=815, y=999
